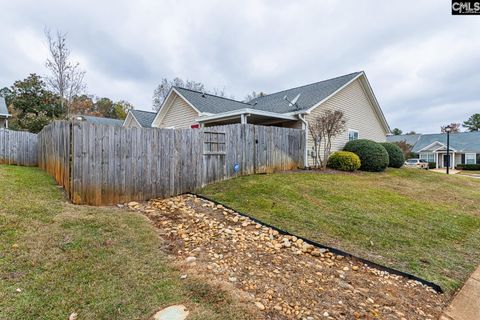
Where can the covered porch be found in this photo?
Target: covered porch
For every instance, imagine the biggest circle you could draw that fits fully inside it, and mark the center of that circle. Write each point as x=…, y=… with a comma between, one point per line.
x=250, y=116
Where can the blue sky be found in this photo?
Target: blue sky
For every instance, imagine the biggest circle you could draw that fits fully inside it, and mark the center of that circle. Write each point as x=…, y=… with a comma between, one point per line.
x=421, y=61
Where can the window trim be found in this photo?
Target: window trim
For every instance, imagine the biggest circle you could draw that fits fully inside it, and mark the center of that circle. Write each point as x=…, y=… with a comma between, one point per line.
x=355, y=131
x=214, y=140
x=425, y=156
x=474, y=158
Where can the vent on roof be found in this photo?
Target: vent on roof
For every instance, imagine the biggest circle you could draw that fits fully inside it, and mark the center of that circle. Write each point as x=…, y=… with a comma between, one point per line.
x=203, y=94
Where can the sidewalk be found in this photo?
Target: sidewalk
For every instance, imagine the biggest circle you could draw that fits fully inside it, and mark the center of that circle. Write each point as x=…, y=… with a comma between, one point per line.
x=466, y=304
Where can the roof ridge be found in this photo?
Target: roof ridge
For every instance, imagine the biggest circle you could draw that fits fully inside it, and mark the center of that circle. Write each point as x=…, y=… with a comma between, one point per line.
x=451, y=133
x=213, y=95
x=306, y=85
x=143, y=111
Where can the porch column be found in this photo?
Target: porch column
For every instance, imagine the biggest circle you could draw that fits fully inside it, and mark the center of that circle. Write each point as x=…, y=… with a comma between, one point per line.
x=436, y=158
x=453, y=161
x=243, y=119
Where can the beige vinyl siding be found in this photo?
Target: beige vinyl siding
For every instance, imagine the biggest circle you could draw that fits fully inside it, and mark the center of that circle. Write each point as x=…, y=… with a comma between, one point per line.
x=179, y=115
x=359, y=113
x=130, y=122
x=458, y=158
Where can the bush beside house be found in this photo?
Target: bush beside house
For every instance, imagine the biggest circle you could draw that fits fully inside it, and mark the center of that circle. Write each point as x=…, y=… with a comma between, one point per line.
x=468, y=167
x=344, y=161
x=373, y=156
x=396, y=159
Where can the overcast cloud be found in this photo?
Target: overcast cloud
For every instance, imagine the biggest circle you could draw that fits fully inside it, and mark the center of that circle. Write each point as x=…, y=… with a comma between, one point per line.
x=422, y=63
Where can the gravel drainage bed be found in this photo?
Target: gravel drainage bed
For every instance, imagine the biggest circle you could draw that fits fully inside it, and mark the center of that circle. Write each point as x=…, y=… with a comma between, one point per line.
x=282, y=276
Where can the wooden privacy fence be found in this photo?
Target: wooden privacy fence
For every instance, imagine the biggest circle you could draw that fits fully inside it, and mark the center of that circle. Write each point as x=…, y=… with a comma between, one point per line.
x=101, y=165
x=18, y=147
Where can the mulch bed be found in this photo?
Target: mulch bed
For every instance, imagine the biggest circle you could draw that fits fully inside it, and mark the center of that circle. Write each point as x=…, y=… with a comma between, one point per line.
x=281, y=276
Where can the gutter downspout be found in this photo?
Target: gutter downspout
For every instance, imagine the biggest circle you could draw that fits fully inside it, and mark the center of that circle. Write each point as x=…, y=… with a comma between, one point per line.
x=304, y=127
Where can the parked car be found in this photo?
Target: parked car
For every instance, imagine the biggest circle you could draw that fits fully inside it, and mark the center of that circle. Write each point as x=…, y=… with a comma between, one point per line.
x=416, y=163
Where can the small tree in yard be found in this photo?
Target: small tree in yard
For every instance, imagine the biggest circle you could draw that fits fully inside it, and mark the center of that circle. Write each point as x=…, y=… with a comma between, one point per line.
x=405, y=147
x=323, y=129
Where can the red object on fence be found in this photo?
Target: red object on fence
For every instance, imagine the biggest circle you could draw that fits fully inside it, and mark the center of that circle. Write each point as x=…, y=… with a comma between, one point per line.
x=195, y=126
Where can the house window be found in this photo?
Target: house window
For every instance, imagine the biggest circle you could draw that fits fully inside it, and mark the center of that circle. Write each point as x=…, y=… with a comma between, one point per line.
x=470, y=158
x=214, y=143
x=352, y=134
x=429, y=157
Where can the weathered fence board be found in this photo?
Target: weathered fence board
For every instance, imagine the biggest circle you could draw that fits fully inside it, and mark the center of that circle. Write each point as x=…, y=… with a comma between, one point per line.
x=101, y=165
x=54, y=152
x=18, y=147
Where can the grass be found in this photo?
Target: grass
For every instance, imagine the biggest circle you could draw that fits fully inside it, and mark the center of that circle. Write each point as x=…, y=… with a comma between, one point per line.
x=102, y=263
x=419, y=222
x=467, y=172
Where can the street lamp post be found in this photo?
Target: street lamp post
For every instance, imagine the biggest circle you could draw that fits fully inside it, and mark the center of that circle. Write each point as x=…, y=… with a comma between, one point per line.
x=448, y=129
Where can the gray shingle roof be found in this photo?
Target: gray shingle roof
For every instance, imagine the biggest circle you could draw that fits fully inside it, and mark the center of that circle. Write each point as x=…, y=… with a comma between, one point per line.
x=309, y=95
x=210, y=103
x=104, y=121
x=411, y=139
x=3, y=107
x=144, y=118
x=462, y=141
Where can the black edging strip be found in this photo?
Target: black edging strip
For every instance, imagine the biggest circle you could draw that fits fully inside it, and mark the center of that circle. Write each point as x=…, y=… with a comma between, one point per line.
x=369, y=263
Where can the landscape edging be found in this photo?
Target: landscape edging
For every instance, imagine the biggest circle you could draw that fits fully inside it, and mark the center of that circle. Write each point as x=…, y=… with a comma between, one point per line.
x=369, y=263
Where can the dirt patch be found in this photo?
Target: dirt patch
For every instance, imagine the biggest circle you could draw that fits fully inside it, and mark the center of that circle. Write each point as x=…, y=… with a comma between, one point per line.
x=283, y=277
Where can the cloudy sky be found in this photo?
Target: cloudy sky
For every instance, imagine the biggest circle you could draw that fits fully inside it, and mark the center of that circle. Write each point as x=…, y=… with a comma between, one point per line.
x=422, y=62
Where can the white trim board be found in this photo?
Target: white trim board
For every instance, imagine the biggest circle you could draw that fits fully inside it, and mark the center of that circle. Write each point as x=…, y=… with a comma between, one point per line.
x=248, y=111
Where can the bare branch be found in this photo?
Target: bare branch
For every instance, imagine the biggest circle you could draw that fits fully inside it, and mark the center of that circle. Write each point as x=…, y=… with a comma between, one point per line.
x=323, y=129
x=66, y=79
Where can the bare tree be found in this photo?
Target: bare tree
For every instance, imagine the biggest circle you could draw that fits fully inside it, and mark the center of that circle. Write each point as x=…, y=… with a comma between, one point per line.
x=323, y=129
x=66, y=78
x=455, y=127
x=249, y=97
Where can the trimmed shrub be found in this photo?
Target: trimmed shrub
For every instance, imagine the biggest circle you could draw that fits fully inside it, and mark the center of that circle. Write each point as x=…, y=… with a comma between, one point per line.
x=373, y=156
x=343, y=161
x=432, y=165
x=396, y=159
x=468, y=166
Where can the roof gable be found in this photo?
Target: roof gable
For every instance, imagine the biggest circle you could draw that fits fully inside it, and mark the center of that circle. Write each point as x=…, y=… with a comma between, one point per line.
x=3, y=108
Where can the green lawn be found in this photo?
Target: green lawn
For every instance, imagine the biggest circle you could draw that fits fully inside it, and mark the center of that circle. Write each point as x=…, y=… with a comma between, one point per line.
x=102, y=263
x=419, y=222
x=467, y=172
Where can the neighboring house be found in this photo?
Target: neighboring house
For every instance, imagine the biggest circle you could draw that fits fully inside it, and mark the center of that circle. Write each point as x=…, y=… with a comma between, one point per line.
x=464, y=147
x=99, y=120
x=139, y=119
x=293, y=108
x=4, y=115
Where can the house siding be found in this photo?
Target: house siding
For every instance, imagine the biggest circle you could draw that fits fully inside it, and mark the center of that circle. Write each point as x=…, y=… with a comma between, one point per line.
x=179, y=115
x=130, y=122
x=359, y=112
x=3, y=123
